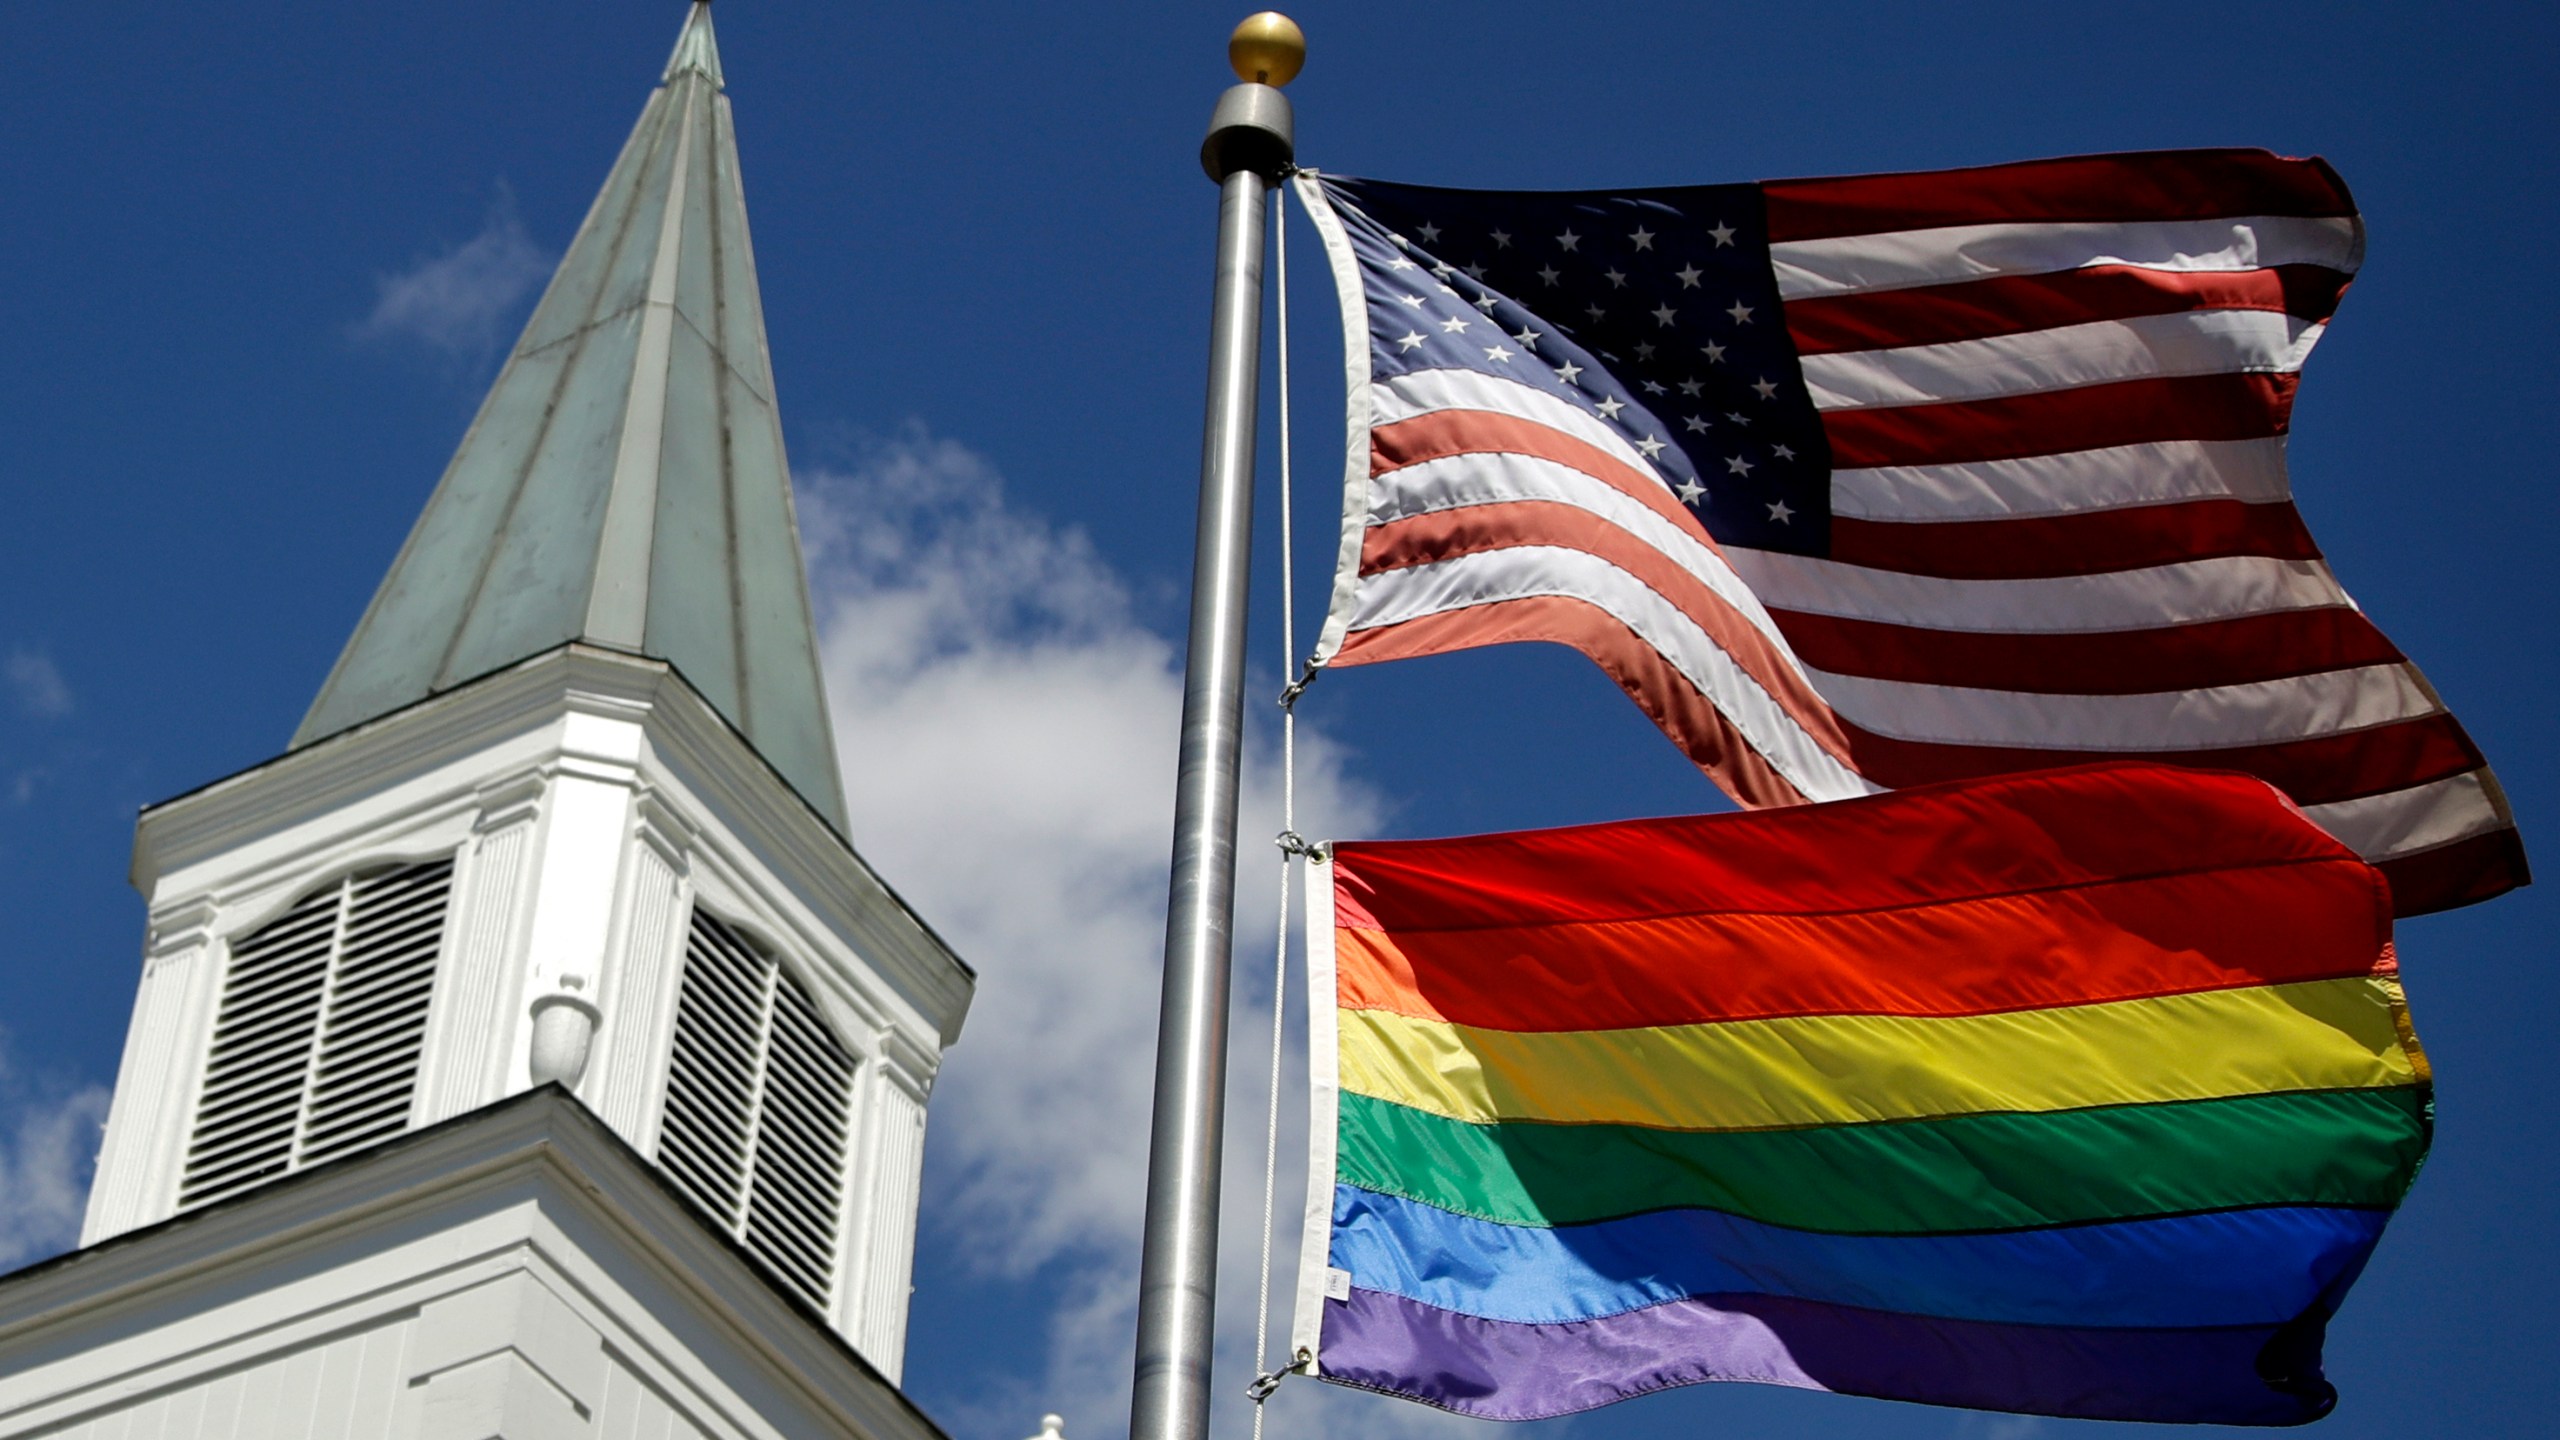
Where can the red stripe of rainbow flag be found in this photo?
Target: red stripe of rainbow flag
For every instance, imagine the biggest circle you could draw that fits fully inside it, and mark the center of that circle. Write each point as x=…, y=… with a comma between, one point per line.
x=2081, y=1093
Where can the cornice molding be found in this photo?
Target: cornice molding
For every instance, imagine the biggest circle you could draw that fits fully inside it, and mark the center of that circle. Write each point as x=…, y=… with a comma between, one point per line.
x=910, y=1065
x=510, y=799
x=544, y=1146
x=664, y=829
x=179, y=928
x=529, y=709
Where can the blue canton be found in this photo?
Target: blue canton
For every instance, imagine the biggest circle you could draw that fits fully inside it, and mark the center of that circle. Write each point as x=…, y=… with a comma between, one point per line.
x=1653, y=310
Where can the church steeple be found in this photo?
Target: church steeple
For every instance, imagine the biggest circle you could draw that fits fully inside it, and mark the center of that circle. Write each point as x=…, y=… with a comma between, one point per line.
x=566, y=812
x=624, y=483
x=695, y=49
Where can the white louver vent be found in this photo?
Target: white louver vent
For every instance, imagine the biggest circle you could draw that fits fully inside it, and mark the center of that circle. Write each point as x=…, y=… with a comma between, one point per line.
x=315, y=1048
x=759, y=1105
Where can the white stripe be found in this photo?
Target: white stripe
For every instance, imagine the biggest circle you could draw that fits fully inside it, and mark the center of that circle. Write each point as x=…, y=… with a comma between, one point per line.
x=2109, y=479
x=1898, y=260
x=2147, y=599
x=2194, y=342
x=2262, y=712
x=1425, y=392
x=1455, y=482
x=1528, y=571
x=2404, y=822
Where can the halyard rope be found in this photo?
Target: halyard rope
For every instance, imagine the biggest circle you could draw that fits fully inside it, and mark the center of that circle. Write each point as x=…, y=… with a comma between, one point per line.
x=1292, y=845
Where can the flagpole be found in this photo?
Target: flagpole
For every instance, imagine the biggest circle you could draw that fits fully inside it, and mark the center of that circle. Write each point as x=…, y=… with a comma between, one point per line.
x=1250, y=142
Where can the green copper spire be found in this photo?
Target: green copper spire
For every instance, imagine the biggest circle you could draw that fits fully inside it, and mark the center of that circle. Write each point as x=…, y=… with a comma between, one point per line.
x=624, y=483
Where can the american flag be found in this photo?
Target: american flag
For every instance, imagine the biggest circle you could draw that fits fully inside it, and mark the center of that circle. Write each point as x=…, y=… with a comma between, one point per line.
x=1854, y=484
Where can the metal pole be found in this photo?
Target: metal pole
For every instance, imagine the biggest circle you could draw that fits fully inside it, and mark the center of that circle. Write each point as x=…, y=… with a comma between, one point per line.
x=1249, y=143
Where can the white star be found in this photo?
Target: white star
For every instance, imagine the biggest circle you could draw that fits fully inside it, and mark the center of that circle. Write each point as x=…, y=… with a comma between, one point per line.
x=1443, y=289
x=1651, y=445
x=1501, y=239
x=1656, y=387
x=1697, y=424
x=1617, y=278
x=1430, y=233
x=1568, y=372
x=1723, y=233
x=1740, y=312
x=1767, y=388
x=1642, y=239
x=1474, y=272
x=1664, y=315
x=1644, y=352
x=1444, y=269
x=1484, y=303
x=1691, y=491
x=1400, y=263
x=1401, y=242
x=1411, y=339
x=1782, y=452
x=1713, y=351
x=1414, y=300
x=1568, y=240
x=1689, y=277
x=1497, y=354
x=1594, y=311
x=1692, y=386
x=1779, y=512
x=1528, y=338
x=1738, y=465
x=1551, y=274
x=1737, y=417
x=1610, y=407
x=1454, y=325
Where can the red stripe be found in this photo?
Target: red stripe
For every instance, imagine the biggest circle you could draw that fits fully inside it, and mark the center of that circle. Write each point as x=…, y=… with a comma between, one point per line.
x=2152, y=185
x=2091, y=417
x=1440, y=434
x=1939, y=845
x=2273, y=645
x=2008, y=304
x=1480, y=529
x=2093, y=542
x=2204, y=927
x=1662, y=692
x=2347, y=765
x=2462, y=873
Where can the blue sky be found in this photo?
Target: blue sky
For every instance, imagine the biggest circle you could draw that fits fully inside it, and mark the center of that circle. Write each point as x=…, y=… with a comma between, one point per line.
x=263, y=259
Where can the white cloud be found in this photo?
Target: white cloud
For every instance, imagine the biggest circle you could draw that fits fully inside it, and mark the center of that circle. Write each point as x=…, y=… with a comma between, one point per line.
x=48, y=1141
x=459, y=301
x=1007, y=732
x=36, y=684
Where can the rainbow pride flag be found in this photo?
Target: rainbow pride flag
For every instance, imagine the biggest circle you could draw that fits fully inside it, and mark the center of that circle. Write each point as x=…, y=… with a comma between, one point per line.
x=2083, y=1093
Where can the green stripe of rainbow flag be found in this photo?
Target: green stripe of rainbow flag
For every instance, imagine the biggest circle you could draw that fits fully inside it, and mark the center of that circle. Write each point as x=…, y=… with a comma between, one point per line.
x=2084, y=1093
x=1967, y=1172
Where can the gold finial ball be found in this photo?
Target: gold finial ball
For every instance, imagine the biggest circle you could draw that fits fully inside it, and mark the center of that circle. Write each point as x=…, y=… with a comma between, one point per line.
x=1267, y=49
